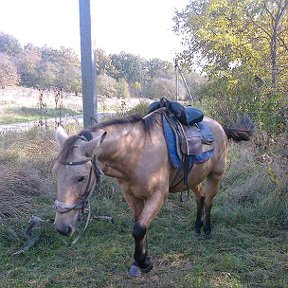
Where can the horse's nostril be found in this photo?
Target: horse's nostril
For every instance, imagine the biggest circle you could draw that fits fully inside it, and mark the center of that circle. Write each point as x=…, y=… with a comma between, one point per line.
x=69, y=230
x=64, y=230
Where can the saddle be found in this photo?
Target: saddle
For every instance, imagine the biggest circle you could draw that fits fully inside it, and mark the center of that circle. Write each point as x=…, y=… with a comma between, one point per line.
x=188, y=139
x=185, y=115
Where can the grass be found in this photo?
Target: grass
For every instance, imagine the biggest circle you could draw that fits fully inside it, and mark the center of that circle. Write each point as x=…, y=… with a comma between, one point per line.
x=248, y=246
x=26, y=114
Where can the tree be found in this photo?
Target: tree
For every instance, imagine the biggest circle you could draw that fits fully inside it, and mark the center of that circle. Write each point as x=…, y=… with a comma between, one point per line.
x=161, y=87
x=243, y=48
x=157, y=68
x=28, y=65
x=270, y=19
x=69, y=72
x=103, y=63
x=46, y=74
x=9, y=45
x=128, y=66
x=106, y=86
x=230, y=33
x=8, y=71
x=67, y=67
x=122, y=89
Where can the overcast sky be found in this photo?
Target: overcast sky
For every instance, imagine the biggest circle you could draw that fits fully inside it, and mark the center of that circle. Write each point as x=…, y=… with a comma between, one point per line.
x=139, y=27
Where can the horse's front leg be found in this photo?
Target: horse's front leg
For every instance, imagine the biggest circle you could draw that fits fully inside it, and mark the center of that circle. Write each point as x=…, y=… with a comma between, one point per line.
x=143, y=263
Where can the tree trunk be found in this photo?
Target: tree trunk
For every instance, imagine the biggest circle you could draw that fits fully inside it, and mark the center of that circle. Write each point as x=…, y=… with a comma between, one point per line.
x=273, y=46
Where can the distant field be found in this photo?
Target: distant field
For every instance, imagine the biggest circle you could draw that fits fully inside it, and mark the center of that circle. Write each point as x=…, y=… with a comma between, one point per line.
x=23, y=105
x=18, y=105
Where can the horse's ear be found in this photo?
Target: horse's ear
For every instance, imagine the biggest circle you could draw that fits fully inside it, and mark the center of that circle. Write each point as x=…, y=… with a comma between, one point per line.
x=60, y=135
x=90, y=146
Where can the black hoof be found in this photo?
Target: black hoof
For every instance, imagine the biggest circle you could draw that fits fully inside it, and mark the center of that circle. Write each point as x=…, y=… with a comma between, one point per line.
x=207, y=230
x=136, y=271
x=197, y=229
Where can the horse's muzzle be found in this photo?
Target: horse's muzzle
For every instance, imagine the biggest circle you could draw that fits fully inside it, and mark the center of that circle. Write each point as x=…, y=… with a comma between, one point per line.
x=63, y=229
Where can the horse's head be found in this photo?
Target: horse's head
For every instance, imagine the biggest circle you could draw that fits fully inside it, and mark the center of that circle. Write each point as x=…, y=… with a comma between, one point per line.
x=77, y=172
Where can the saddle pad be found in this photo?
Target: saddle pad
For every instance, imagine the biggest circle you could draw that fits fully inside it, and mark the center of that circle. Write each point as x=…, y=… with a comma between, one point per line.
x=173, y=153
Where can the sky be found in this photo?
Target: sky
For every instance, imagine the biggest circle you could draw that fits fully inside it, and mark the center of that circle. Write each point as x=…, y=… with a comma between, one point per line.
x=140, y=27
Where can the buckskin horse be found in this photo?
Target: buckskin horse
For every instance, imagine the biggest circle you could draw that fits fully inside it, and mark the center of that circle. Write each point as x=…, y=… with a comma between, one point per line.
x=133, y=150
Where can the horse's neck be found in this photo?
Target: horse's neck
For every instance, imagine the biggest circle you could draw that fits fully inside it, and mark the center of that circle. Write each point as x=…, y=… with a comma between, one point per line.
x=121, y=140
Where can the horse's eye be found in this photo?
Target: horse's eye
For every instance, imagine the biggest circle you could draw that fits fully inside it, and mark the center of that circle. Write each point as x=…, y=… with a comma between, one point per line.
x=81, y=179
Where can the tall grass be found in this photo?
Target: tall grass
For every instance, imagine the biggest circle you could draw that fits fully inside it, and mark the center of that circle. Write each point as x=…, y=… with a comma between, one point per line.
x=248, y=247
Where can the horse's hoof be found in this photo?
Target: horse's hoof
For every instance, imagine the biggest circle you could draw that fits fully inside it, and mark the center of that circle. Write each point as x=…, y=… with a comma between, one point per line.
x=197, y=230
x=136, y=271
x=207, y=234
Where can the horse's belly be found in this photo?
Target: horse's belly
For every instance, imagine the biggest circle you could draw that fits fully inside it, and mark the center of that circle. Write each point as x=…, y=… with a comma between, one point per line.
x=196, y=176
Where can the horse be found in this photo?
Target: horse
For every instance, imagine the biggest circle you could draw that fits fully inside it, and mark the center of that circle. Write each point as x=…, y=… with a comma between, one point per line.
x=133, y=150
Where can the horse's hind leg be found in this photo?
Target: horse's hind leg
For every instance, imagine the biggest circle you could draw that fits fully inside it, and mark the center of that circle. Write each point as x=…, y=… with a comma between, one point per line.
x=211, y=190
x=200, y=208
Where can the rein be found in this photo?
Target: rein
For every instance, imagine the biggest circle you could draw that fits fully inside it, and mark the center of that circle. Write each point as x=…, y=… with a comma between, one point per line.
x=64, y=208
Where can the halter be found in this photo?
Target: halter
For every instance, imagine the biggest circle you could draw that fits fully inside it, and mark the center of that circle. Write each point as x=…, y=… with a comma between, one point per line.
x=63, y=208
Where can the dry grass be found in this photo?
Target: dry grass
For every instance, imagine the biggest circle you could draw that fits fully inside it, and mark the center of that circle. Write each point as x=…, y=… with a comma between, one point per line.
x=19, y=187
x=25, y=169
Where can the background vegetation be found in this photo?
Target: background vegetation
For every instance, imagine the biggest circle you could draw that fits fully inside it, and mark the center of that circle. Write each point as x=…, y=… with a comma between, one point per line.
x=241, y=50
x=121, y=75
x=242, y=46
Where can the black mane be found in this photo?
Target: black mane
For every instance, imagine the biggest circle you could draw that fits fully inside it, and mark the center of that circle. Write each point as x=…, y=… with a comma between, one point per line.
x=117, y=121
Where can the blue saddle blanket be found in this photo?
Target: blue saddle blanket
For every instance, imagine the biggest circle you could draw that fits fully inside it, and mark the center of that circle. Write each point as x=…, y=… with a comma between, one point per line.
x=173, y=151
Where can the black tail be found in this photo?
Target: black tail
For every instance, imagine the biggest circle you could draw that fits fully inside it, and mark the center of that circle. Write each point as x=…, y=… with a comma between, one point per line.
x=242, y=132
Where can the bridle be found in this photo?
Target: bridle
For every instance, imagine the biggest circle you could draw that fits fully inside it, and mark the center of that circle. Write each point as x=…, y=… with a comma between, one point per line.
x=63, y=208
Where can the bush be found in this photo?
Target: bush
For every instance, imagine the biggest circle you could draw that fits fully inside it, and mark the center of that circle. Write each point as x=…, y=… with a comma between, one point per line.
x=240, y=94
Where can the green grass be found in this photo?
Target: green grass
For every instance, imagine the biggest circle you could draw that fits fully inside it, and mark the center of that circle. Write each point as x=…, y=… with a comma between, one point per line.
x=26, y=114
x=248, y=246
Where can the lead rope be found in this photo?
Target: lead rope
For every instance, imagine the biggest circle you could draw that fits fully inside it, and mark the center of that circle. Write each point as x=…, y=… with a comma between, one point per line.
x=98, y=178
x=86, y=224
x=98, y=175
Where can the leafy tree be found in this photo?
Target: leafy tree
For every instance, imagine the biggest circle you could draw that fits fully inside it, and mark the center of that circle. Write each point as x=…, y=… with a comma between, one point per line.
x=8, y=71
x=106, y=86
x=193, y=85
x=270, y=20
x=67, y=67
x=28, y=65
x=242, y=46
x=230, y=33
x=9, y=45
x=46, y=74
x=128, y=67
x=161, y=87
x=157, y=68
x=122, y=89
x=69, y=72
x=103, y=63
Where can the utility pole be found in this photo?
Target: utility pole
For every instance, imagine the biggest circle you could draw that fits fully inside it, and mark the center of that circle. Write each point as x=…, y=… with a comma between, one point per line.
x=88, y=65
